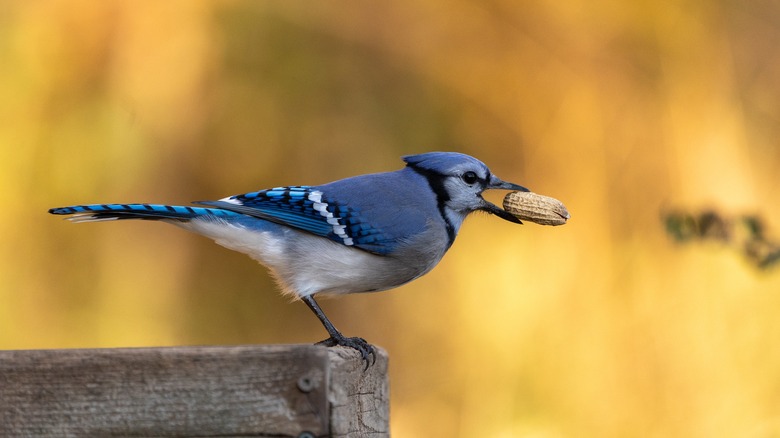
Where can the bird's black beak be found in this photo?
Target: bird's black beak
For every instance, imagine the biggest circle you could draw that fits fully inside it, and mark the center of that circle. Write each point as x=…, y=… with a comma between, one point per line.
x=496, y=183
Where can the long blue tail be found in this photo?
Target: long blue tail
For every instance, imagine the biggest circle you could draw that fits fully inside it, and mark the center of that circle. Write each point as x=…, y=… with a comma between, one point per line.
x=104, y=212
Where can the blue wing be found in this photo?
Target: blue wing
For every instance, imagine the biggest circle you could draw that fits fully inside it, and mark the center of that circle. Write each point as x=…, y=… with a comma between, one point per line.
x=309, y=209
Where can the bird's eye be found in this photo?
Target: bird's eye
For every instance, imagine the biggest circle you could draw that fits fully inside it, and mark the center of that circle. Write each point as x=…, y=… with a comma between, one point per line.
x=469, y=177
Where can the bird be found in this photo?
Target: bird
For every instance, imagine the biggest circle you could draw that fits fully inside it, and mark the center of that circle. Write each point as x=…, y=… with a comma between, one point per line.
x=364, y=233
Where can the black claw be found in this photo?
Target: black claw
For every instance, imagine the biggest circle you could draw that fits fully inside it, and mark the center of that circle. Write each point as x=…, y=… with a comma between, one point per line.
x=364, y=348
x=336, y=338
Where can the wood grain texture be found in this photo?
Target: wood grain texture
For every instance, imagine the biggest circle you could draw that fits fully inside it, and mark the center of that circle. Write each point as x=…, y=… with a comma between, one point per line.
x=359, y=400
x=284, y=390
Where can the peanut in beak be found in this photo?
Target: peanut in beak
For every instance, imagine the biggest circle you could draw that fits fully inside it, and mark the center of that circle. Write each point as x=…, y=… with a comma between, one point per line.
x=529, y=206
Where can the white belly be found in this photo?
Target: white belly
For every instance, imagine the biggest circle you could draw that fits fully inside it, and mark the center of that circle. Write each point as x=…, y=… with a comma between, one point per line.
x=304, y=264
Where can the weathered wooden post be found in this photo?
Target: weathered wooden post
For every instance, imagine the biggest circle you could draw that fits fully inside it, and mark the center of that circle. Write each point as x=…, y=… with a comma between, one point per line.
x=284, y=390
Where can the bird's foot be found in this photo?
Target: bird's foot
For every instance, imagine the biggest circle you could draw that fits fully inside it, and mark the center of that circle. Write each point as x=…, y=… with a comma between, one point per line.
x=364, y=348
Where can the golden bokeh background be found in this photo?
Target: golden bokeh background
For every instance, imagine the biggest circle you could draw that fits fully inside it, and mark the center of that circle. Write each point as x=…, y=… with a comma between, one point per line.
x=604, y=327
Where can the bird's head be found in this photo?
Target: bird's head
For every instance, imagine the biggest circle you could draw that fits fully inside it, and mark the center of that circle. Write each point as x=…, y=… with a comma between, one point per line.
x=459, y=181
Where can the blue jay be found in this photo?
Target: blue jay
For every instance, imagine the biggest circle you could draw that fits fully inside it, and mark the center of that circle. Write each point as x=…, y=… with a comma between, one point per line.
x=361, y=234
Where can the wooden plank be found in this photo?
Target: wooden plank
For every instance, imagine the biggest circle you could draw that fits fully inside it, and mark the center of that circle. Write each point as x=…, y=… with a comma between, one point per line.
x=285, y=390
x=360, y=401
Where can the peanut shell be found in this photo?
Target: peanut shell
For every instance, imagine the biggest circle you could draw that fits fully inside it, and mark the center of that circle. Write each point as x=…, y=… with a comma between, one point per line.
x=536, y=208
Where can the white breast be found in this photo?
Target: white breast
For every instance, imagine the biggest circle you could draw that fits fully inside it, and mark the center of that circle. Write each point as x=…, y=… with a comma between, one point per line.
x=304, y=264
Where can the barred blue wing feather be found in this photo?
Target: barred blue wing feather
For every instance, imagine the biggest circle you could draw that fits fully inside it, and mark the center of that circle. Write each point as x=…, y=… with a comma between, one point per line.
x=309, y=209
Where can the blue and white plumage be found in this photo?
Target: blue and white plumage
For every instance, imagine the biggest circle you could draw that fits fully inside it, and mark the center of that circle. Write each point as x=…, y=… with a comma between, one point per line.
x=360, y=234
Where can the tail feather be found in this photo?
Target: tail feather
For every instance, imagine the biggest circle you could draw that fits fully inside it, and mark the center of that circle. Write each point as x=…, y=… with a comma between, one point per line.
x=106, y=212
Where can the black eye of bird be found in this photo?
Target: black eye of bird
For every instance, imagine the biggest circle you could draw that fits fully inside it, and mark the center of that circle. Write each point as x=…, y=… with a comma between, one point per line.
x=469, y=177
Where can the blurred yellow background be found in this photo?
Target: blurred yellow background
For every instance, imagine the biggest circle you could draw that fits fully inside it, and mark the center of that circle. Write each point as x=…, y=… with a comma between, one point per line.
x=604, y=327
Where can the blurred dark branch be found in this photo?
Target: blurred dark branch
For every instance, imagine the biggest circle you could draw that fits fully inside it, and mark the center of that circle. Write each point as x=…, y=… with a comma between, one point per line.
x=745, y=233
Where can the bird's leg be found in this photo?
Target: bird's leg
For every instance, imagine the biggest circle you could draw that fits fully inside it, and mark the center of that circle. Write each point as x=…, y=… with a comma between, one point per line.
x=336, y=338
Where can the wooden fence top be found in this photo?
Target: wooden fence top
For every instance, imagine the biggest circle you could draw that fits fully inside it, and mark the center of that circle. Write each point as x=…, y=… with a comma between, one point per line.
x=302, y=391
